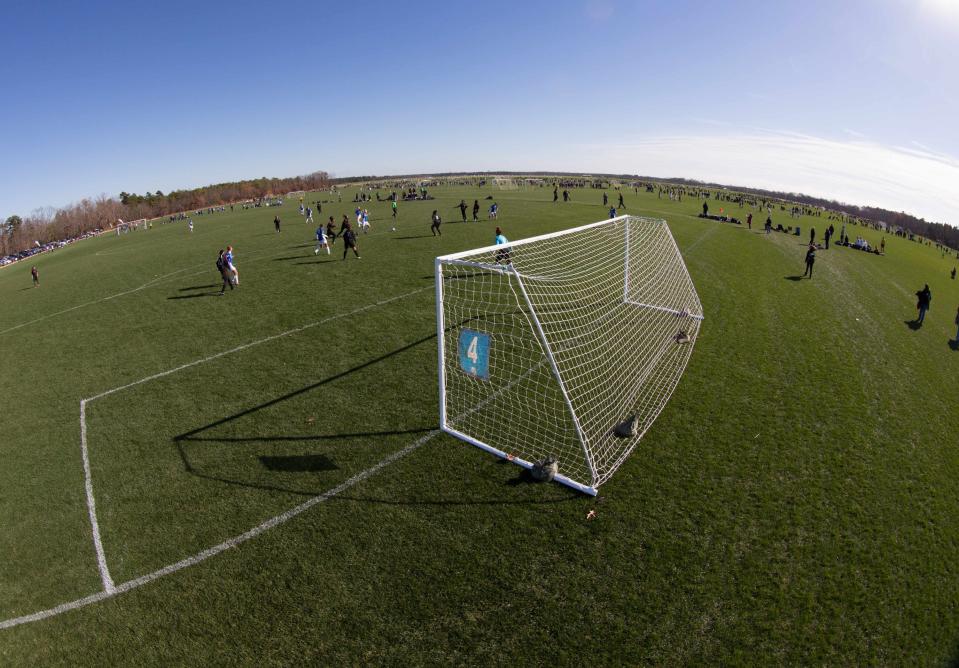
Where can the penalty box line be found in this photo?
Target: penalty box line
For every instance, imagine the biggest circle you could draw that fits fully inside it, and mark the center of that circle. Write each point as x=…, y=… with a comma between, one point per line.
x=225, y=545
x=108, y=584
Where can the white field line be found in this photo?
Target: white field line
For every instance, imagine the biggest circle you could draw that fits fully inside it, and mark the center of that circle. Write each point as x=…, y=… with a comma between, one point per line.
x=91, y=303
x=251, y=344
x=152, y=283
x=88, y=481
x=225, y=545
x=91, y=504
x=109, y=587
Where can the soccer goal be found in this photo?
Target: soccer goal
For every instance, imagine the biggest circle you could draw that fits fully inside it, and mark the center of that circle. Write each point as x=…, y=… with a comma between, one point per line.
x=566, y=345
x=504, y=183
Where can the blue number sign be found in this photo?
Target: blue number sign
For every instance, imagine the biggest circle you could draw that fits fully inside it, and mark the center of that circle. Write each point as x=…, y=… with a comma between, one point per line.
x=474, y=353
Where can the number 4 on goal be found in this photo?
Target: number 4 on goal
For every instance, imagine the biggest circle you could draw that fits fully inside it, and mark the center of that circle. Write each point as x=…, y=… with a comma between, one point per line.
x=569, y=349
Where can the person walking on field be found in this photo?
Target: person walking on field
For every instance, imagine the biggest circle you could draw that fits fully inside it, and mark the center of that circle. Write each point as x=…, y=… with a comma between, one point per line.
x=462, y=208
x=36, y=276
x=622, y=204
x=476, y=208
x=923, y=300
x=749, y=221
x=810, y=259
x=605, y=200
x=812, y=235
x=276, y=223
x=705, y=209
x=435, y=225
x=225, y=273
x=769, y=224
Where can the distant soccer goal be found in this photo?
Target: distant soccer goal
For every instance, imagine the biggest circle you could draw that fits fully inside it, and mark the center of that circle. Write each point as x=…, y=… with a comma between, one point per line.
x=566, y=345
x=504, y=183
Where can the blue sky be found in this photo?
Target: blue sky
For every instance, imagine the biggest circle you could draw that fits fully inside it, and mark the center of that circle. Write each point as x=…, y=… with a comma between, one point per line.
x=857, y=100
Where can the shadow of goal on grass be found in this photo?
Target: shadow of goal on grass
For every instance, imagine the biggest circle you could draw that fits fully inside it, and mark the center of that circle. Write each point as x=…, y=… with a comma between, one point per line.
x=298, y=463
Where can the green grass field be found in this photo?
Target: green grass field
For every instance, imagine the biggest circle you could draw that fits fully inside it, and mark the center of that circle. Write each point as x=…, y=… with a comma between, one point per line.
x=794, y=503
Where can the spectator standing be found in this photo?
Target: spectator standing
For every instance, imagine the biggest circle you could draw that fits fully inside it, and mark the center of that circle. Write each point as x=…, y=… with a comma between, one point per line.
x=36, y=276
x=923, y=301
x=810, y=259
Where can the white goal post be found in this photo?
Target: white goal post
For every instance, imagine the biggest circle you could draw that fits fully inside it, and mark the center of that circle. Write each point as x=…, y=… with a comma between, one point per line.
x=565, y=345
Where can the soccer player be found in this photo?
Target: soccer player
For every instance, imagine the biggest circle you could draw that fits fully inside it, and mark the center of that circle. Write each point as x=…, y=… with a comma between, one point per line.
x=476, y=208
x=435, y=226
x=612, y=212
x=349, y=239
x=36, y=276
x=190, y=225
x=501, y=240
x=276, y=223
x=321, y=241
x=622, y=205
x=462, y=208
x=330, y=231
x=225, y=274
x=228, y=256
x=365, y=221
x=309, y=216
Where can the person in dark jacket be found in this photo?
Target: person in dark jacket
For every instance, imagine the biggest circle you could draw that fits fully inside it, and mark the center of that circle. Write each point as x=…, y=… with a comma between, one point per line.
x=923, y=300
x=810, y=259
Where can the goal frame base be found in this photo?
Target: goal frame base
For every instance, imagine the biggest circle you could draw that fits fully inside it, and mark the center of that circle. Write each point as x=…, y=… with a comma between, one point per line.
x=579, y=487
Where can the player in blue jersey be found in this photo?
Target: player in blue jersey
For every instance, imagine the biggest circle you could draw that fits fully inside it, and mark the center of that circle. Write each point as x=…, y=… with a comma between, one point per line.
x=228, y=257
x=321, y=241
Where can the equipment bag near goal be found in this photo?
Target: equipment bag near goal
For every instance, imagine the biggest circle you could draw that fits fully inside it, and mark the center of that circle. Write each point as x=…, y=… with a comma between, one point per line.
x=566, y=345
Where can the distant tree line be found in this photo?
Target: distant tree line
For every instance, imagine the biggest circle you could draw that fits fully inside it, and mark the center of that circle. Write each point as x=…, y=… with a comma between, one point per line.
x=18, y=233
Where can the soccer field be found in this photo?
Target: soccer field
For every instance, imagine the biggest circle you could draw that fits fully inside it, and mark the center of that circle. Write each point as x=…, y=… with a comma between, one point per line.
x=271, y=487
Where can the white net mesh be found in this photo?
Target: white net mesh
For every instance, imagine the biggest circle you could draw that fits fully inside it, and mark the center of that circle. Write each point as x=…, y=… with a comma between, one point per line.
x=552, y=343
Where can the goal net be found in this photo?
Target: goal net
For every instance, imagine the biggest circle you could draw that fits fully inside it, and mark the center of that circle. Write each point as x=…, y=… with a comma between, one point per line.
x=566, y=345
x=504, y=183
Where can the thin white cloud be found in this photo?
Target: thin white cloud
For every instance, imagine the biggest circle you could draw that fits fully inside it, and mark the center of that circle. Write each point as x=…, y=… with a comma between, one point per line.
x=919, y=182
x=854, y=133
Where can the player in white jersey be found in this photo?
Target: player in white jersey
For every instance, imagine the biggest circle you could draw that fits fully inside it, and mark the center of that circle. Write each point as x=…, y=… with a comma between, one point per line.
x=365, y=221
